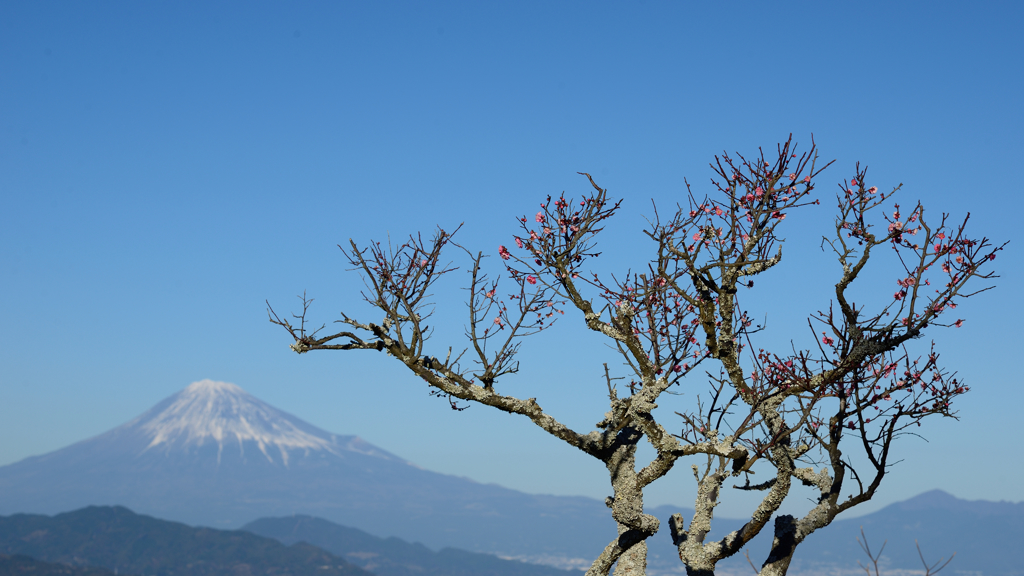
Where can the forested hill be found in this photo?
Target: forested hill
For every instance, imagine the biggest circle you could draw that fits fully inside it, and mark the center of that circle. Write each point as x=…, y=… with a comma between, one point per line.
x=119, y=540
x=18, y=565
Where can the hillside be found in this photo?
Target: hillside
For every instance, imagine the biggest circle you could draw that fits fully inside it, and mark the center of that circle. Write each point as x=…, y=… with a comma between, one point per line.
x=18, y=565
x=117, y=539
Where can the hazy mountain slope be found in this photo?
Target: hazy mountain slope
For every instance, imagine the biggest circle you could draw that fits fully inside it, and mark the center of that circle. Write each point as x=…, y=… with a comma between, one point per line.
x=391, y=556
x=118, y=539
x=985, y=535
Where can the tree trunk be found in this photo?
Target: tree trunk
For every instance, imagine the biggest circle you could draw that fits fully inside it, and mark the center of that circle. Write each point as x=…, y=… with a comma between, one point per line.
x=783, y=547
x=634, y=561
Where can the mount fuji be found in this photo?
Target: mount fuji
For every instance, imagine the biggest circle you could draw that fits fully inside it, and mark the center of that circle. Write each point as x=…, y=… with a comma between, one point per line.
x=216, y=456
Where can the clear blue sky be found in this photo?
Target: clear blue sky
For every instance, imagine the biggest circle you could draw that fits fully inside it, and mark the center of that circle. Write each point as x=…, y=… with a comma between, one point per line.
x=165, y=167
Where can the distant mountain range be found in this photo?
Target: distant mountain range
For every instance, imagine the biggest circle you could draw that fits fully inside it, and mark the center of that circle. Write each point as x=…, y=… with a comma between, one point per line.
x=214, y=455
x=115, y=538
x=984, y=536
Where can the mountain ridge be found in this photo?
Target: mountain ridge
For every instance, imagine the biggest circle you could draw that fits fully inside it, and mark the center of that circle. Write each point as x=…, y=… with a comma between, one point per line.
x=115, y=538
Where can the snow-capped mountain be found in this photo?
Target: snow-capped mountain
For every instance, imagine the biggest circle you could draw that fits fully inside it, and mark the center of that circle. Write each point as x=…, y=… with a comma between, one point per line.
x=219, y=413
x=215, y=455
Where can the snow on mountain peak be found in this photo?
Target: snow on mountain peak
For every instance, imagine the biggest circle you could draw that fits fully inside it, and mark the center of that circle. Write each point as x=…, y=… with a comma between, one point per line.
x=223, y=413
x=210, y=387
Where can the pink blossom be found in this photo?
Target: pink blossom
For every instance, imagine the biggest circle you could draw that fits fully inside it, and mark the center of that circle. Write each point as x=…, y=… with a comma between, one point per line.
x=758, y=191
x=696, y=236
x=853, y=182
x=519, y=242
x=826, y=340
x=677, y=368
x=547, y=230
x=992, y=256
x=873, y=189
x=792, y=176
x=499, y=322
x=807, y=179
x=540, y=217
x=959, y=259
x=958, y=323
x=503, y=252
x=718, y=211
x=531, y=279
x=491, y=294
x=899, y=295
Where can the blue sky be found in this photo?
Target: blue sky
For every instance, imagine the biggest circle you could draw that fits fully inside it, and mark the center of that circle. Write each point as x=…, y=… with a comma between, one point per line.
x=165, y=167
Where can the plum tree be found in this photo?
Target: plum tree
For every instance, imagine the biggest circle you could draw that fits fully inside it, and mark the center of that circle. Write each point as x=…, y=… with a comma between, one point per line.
x=839, y=403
